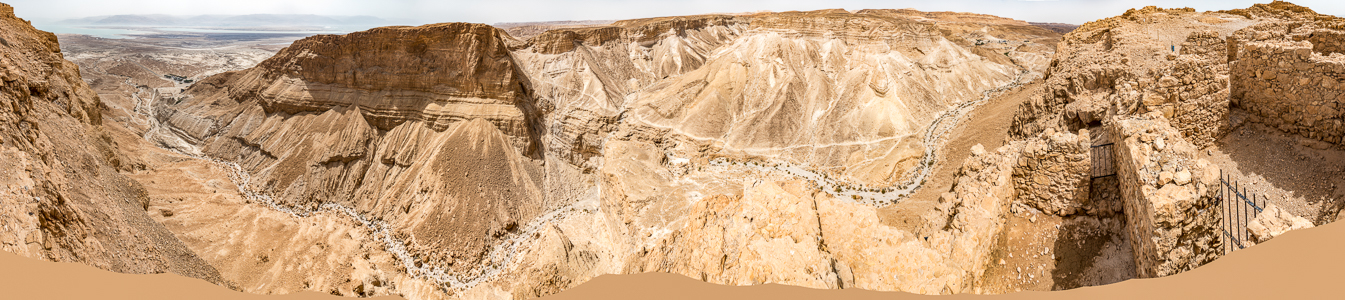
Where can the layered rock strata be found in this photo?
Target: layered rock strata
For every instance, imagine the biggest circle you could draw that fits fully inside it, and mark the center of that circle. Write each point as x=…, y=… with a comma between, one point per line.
x=802, y=70
x=435, y=131
x=1168, y=194
x=465, y=140
x=812, y=88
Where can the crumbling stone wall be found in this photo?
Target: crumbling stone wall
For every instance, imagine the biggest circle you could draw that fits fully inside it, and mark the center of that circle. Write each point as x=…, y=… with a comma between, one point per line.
x=1193, y=91
x=1287, y=84
x=1053, y=172
x=1091, y=80
x=1168, y=198
x=967, y=220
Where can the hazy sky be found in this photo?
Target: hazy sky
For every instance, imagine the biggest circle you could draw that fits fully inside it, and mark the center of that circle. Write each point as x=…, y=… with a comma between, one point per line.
x=493, y=11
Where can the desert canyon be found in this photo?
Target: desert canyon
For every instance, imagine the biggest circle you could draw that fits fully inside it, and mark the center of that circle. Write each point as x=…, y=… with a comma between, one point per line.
x=878, y=149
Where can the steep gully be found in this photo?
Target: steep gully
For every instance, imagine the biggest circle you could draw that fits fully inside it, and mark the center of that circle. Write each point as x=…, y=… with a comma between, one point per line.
x=933, y=139
x=502, y=255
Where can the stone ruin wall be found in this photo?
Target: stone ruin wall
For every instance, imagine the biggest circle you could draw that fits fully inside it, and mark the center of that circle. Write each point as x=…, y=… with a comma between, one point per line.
x=1327, y=42
x=1168, y=196
x=1294, y=86
x=1189, y=87
x=1053, y=172
x=1193, y=91
x=1167, y=193
x=1050, y=172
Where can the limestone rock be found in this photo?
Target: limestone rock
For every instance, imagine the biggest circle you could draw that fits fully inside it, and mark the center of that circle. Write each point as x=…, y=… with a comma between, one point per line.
x=1274, y=221
x=1284, y=75
x=1119, y=66
x=1182, y=177
x=416, y=75
x=810, y=96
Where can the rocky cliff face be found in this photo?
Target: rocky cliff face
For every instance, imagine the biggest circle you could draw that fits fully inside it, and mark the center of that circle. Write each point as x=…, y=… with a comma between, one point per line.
x=432, y=129
x=437, y=75
x=61, y=196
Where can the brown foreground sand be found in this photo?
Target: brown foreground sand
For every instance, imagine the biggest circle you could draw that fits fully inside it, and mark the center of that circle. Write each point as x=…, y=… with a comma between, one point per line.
x=1305, y=264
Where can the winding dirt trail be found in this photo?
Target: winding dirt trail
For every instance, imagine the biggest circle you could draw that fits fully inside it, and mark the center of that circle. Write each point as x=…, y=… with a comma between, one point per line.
x=934, y=138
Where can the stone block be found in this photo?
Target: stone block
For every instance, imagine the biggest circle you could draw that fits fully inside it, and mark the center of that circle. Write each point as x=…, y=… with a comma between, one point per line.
x=1274, y=221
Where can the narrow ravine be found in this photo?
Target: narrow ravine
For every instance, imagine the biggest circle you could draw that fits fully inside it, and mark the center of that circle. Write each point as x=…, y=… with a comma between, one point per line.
x=500, y=258
x=503, y=256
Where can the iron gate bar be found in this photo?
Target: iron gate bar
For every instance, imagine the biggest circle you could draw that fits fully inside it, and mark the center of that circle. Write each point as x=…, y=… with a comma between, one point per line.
x=1237, y=214
x=1103, y=165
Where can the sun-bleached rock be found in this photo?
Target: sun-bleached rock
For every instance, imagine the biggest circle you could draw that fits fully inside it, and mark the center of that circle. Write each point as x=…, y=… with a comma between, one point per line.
x=1148, y=59
x=1283, y=77
x=1274, y=221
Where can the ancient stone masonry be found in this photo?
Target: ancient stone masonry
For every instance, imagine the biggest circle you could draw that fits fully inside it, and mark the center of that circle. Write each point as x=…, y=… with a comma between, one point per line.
x=1193, y=91
x=1117, y=66
x=1053, y=172
x=1168, y=196
x=1290, y=85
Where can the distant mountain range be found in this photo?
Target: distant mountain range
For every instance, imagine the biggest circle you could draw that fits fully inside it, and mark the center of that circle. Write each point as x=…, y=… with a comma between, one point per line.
x=229, y=20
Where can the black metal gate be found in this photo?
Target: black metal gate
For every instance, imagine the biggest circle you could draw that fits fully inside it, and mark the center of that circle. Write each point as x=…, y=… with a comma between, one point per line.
x=1238, y=207
x=1103, y=164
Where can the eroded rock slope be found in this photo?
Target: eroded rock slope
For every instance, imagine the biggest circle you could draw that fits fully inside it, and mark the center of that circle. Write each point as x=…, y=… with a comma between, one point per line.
x=61, y=196
x=523, y=167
